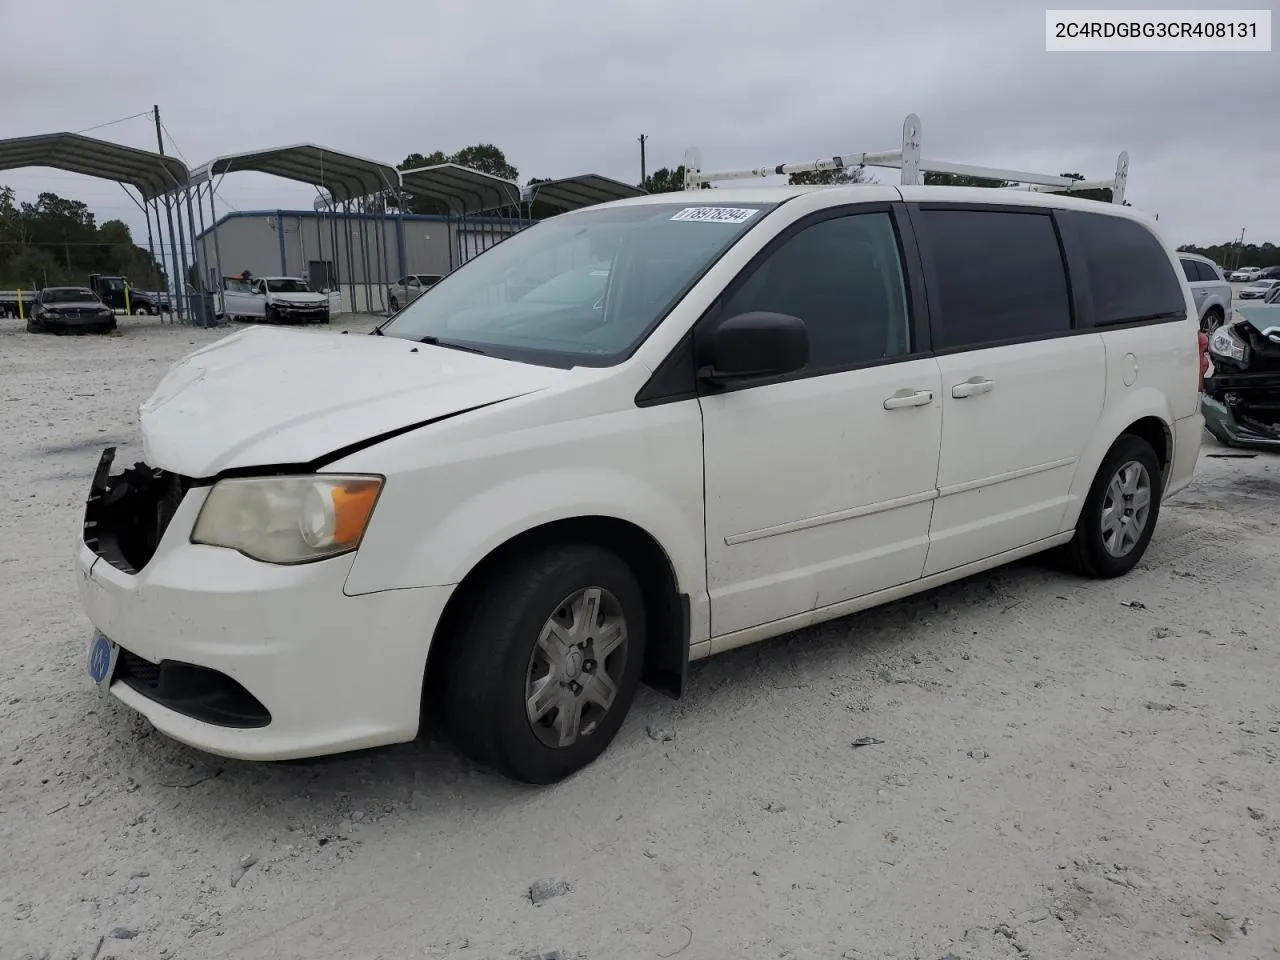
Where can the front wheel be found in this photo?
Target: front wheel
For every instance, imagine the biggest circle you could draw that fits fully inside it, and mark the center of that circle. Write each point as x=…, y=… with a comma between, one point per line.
x=142, y=310
x=545, y=663
x=1119, y=514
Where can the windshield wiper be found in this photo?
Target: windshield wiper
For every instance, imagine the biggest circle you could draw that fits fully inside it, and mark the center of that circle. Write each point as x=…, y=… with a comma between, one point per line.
x=449, y=344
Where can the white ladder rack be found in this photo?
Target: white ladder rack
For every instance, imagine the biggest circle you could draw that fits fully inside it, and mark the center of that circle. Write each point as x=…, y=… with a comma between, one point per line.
x=912, y=166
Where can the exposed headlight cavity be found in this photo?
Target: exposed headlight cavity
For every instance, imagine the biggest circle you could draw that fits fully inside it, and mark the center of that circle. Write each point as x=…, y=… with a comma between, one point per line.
x=288, y=519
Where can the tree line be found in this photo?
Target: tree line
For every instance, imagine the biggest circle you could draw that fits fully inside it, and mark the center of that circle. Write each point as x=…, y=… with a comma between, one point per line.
x=57, y=241
x=1234, y=255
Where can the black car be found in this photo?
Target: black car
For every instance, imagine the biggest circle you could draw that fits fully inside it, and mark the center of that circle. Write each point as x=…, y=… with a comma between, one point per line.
x=69, y=310
x=1270, y=273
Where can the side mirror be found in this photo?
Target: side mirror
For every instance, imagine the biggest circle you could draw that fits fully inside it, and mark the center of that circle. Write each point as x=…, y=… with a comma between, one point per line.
x=753, y=346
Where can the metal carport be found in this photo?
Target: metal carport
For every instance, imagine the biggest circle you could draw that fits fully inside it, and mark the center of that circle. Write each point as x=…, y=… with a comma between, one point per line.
x=574, y=193
x=153, y=176
x=339, y=178
x=461, y=193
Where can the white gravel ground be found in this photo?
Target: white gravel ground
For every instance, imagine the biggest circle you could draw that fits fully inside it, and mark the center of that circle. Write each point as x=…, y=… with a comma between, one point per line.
x=1067, y=768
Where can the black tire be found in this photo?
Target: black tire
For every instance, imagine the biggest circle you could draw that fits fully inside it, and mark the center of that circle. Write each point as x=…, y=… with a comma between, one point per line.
x=269, y=315
x=480, y=689
x=394, y=305
x=1087, y=553
x=142, y=311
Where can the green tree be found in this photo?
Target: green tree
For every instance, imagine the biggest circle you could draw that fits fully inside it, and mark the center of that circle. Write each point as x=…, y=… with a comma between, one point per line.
x=415, y=160
x=486, y=158
x=665, y=180
x=961, y=180
x=844, y=175
x=1231, y=255
x=56, y=240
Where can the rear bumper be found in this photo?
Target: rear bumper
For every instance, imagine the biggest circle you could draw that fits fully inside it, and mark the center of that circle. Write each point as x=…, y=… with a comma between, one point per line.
x=333, y=672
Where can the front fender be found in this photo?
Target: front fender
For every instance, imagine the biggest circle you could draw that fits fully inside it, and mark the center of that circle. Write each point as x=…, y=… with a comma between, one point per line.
x=476, y=526
x=454, y=495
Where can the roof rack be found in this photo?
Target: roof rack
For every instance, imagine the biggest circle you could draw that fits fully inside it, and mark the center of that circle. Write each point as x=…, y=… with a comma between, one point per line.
x=912, y=166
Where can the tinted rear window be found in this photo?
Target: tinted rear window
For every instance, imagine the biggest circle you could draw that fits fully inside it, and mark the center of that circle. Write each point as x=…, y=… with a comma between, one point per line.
x=999, y=276
x=1130, y=275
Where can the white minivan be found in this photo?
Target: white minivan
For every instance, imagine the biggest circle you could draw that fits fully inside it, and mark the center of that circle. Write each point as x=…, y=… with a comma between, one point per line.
x=780, y=405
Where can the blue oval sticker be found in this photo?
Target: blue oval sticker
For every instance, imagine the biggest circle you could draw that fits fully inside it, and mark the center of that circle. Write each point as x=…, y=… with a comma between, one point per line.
x=100, y=658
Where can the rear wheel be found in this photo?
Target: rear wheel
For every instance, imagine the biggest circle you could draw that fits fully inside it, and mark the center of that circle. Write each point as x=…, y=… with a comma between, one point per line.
x=545, y=663
x=1119, y=514
x=1212, y=320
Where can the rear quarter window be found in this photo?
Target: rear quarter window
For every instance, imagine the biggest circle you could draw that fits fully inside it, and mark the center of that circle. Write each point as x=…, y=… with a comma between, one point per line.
x=1131, y=278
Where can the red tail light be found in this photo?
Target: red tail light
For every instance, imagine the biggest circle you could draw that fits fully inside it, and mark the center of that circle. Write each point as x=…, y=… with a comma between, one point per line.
x=1204, y=357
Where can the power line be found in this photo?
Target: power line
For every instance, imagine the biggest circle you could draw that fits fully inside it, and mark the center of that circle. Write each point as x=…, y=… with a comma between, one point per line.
x=181, y=155
x=112, y=123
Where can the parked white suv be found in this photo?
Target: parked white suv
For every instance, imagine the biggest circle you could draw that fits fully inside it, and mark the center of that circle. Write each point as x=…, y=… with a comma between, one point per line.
x=790, y=404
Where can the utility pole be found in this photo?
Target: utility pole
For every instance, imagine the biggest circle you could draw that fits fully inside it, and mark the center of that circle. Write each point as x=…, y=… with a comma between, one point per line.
x=643, y=174
x=177, y=277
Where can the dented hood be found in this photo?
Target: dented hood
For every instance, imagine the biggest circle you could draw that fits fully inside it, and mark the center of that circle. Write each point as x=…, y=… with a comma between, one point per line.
x=1265, y=318
x=266, y=397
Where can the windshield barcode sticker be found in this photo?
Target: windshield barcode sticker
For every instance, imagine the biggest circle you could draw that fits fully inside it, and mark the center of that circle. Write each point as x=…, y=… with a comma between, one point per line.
x=716, y=214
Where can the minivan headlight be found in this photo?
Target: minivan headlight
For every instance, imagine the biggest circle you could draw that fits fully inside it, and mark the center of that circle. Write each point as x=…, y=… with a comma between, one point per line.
x=288, y=519
x=1224, y=343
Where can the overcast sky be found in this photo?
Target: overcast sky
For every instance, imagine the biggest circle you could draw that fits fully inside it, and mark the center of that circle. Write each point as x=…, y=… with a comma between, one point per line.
x=566, y=87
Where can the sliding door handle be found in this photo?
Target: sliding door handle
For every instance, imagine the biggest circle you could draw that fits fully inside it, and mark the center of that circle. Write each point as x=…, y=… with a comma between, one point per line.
x=972, y=387
x=909, y=398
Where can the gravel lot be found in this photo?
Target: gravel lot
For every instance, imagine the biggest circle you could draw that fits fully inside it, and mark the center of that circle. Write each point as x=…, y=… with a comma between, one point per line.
x=1061, y=768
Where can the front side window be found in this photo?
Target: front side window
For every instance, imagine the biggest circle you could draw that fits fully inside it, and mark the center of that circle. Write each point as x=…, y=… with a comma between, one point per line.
x=843, y=277
x=1130, y=276
x=579, y=289
x=999, y=277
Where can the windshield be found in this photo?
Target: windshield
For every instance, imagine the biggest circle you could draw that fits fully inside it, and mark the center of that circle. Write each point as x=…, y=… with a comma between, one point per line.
x=580, y=289
x=288, y=285
x=68, y=295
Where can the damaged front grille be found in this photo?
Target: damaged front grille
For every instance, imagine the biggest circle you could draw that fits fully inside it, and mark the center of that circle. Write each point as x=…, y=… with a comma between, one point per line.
x=128, y=512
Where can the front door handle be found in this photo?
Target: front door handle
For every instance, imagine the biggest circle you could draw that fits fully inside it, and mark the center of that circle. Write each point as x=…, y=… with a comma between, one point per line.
x=972, y=387
x=909, y=398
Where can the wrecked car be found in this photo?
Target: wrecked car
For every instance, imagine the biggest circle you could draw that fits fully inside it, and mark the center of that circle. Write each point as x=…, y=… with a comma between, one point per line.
x=1241, y=402
x=629, y=437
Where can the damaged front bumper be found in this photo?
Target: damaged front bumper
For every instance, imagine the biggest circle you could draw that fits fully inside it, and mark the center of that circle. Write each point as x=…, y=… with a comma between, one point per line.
x=238, y=657
x=1243, y=409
